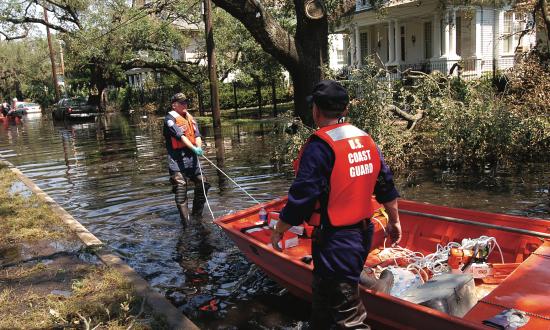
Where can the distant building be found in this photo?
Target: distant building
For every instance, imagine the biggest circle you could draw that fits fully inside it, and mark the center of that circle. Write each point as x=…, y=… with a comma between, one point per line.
x=428, y=36
x=191, y=52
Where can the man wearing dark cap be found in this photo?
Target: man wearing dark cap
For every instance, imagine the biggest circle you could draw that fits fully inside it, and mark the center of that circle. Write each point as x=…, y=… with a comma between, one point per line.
x=337, y=172
x=184, y=144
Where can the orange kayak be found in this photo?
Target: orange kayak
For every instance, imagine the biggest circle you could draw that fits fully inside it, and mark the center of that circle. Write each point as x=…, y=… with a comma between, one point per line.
x=523, y=282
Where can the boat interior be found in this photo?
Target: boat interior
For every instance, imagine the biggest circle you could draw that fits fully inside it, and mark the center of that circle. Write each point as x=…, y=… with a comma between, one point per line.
x=507, y=268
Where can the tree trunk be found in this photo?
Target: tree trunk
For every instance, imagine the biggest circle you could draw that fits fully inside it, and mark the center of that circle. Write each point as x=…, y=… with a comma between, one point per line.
x=235, y=102
x=545, y=17
x=312, y=46
x=259, y=95
x=97, y=85
x=301, y=54
x=18, y=91
x=201, y=101
x=274, y=96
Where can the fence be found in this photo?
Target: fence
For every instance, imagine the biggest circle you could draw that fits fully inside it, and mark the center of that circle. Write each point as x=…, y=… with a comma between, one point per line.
x=231, y=96
x=466, y=69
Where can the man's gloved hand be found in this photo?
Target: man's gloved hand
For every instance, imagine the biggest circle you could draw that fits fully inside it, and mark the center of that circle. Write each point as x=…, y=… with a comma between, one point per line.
x=198, y=151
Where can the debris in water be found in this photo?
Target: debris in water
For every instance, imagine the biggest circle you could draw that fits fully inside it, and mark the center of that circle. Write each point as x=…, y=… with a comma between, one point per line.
x=211, y=306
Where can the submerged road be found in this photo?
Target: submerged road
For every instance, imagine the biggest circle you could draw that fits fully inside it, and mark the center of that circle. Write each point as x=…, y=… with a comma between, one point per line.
x=111, y=175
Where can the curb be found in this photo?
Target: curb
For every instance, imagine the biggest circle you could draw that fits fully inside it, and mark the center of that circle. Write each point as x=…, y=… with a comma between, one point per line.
x=159, y=303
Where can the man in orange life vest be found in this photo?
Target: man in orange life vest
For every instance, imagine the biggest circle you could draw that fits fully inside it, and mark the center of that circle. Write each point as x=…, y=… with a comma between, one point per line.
x=184, y=144
x=339, y=169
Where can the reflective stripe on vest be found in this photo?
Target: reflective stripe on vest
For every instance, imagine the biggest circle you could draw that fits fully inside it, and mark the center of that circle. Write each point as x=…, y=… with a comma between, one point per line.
x=352, y=181
x=186, y=125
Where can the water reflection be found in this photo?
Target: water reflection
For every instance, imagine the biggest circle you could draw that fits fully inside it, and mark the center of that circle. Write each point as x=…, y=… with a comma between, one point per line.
x=112, y=175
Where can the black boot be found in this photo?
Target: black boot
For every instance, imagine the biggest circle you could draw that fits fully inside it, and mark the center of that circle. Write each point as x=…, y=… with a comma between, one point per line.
x=184, y=213
x=383, y=284
x=199, y=200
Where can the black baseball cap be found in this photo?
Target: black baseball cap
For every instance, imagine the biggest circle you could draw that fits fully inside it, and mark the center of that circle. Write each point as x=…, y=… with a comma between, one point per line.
x=329, y=95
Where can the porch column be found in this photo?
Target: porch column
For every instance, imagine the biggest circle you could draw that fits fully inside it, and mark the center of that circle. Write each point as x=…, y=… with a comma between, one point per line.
x=445, y=35
x=358, y=46
x=497, y=37
x=352, y=46
x=397, y=40
x=477, y=41
x=452, y=35
x=477, y=34
x=391, y=52
x=436, y=36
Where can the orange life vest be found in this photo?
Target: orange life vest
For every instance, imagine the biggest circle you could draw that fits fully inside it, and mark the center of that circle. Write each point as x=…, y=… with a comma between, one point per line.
x=187, y=126
x=352, y=181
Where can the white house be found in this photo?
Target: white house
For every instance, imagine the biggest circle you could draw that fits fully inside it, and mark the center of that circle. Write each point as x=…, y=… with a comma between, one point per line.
x=190, y=52
x=427, y=36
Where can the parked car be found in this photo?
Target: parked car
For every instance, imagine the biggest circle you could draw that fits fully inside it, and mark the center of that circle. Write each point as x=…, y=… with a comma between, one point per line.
x=74, y=108
x=28, y=107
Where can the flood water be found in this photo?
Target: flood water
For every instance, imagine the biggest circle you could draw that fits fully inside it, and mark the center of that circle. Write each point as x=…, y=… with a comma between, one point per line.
x=111, y=175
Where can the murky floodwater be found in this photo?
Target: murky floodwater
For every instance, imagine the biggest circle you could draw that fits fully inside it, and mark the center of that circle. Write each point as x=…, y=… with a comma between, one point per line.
x=111, y=175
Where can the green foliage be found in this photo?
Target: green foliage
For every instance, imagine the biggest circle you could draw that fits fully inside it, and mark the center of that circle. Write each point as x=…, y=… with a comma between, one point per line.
x=247, y=97
x=368, y=110
x=25, y=71
x=475, y=126
x=295, y=134
x=455, y=124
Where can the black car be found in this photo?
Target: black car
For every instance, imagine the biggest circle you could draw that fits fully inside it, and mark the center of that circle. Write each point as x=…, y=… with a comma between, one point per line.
x=74, y=108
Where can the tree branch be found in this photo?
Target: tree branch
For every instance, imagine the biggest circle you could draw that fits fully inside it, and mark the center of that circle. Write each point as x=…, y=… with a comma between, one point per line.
x=71, y=14
x=273, y=38
x=175, y=69
x=21, y=36
x=412, y=119
x=24, y=20
x=343, y=8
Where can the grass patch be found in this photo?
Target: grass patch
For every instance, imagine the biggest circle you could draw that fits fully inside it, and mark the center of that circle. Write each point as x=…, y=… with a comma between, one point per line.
x=88, y=296
x=246, y=115
x=25, y=218
x=102, y=299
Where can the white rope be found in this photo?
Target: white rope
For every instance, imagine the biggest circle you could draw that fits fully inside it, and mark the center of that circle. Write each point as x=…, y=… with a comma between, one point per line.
x=204, y=189
x=435, y=262
x=227, y=176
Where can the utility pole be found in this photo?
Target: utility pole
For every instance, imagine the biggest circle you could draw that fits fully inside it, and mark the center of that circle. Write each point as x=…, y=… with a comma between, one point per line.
x=61, y=58
x=212, y=74
x=52, y=55
x=62, y=67
x=213, y=77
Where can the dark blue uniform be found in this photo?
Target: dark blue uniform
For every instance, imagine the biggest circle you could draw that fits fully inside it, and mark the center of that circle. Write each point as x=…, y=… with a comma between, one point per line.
x=338, y=253
x=311, y=182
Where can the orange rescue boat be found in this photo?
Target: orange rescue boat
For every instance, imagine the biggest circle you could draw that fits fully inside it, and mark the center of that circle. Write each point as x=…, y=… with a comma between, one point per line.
x=523, y=282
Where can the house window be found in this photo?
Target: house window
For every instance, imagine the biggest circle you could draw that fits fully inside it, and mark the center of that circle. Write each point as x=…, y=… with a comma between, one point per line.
x=340, y=56
x=402, y=30
x=428, y=40
x=507, y=33
x=364, y=40
x=458, y=36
